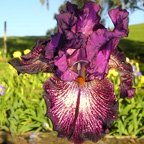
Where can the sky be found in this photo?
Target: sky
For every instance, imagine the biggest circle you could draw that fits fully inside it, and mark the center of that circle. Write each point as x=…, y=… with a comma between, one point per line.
x=30, y=18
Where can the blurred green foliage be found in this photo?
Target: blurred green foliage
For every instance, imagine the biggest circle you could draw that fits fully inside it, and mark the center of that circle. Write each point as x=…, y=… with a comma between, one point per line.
x=130, y=120
x=23, y=108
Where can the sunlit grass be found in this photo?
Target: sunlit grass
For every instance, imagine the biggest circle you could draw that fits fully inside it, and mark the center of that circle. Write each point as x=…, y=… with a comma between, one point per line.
x=136, y=32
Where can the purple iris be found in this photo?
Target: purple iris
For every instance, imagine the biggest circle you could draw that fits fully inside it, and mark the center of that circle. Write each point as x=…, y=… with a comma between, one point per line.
x=2, y=90
x=136, y=72
x=79, y=97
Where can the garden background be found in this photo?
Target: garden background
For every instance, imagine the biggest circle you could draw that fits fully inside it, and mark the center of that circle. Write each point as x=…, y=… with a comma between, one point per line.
x=22, y=108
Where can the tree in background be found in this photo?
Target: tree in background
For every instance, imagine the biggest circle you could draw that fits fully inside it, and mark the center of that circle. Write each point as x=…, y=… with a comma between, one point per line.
x=43, y=2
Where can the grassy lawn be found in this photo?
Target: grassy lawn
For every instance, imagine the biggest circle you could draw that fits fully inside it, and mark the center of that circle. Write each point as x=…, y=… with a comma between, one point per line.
x=133, y=45
x=136, y=32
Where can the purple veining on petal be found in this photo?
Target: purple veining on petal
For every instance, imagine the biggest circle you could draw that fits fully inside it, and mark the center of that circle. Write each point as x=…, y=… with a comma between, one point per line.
x=34, y=61
x=80, y=112
x=61, y=99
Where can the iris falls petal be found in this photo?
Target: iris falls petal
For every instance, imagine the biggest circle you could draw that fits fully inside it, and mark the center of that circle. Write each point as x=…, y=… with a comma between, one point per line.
x=80, y=112
x=118, y=61
x=33, y=62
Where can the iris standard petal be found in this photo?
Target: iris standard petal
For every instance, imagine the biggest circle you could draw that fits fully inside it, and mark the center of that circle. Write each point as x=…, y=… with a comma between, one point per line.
x=119, y=18
x=118, y=61
x=75, y=40
x=65, y=21
x=80, y=112
x=63, y=70
x=88, y=18
x=61, y=63
x=99, y=47
x=103, y=41
x=51, y=47
x=72, y=8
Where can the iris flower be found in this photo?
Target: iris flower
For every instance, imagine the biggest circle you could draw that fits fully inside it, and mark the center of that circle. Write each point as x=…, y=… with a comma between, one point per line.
x=80, y=98
x=2, y=90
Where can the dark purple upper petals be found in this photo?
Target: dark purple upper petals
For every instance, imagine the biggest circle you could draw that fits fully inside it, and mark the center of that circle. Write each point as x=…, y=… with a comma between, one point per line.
x=95, y=42
x=119, y=18
x=88, y=18
x=98, y=40
x=63, y=70
x=99, y=64
x=75, y=40
x=99, y=47
x=65, y=21
x=72, y=8
x=117, y=61
x=80, y=112
x=73, y=57
x=52, y=45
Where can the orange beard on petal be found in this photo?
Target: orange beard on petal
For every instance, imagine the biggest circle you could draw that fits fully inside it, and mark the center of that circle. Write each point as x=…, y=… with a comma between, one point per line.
x=80, y=80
